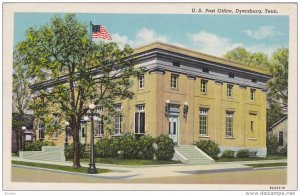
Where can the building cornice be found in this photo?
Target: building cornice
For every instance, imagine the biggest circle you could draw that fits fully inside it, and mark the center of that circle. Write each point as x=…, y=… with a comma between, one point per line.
x=201, y=56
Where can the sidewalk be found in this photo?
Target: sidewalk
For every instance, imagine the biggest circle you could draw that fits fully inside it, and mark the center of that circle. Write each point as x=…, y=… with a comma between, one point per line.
x=154, y=171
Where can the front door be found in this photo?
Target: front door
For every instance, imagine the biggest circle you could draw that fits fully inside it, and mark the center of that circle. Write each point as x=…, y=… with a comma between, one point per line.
x=173, y=128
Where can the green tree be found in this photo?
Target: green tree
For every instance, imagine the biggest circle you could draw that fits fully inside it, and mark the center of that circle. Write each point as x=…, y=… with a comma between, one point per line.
x=21, y=92
x=91, y=72
x=278, y=86
x=241, y=55
x=277, y=66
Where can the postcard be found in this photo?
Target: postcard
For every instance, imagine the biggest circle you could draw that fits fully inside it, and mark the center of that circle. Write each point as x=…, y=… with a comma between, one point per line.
x=150, y=96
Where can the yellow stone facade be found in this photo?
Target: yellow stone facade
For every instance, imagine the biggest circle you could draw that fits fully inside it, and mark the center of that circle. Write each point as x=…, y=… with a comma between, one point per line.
x=245, y=104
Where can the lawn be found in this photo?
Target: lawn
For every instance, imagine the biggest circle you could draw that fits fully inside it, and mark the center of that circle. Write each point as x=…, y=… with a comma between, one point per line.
x=58, y=167
x=130, y=161
x=269, y=157
x=267, y=165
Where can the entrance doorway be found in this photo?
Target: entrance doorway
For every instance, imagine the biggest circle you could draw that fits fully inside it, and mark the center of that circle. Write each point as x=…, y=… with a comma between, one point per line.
x=173, y=128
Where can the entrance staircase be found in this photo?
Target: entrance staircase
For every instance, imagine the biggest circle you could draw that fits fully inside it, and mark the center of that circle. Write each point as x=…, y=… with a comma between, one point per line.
x=190, y=154
x=48, y=153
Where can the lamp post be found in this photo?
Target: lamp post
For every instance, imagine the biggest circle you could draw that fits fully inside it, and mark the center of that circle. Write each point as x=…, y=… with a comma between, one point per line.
x=92, y=168
x=66, y=139
x=22, y=141
x=185, y=109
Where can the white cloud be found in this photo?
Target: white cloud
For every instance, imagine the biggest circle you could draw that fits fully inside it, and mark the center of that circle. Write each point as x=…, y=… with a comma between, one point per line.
x=211, y=43
x=143, y=37
x=263, y=32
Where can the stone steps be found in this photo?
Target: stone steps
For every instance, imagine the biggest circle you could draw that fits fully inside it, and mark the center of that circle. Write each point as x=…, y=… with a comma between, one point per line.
x=190, y=154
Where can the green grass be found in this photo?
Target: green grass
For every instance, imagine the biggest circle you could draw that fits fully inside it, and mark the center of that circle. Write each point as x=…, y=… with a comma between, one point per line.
x=58, y=167
x=269, y=157
x=267, y=165
x=130, y=161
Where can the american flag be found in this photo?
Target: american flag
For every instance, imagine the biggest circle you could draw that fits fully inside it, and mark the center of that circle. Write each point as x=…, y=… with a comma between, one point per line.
x=100, y=31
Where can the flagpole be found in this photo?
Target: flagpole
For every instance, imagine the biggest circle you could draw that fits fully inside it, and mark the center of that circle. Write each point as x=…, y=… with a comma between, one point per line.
x=91, y=26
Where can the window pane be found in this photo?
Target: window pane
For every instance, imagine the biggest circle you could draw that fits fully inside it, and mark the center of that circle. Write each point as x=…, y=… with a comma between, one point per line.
x=174, y=128
x=142, y=122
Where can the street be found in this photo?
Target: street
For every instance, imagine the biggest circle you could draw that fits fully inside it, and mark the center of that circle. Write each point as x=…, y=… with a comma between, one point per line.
x=245, y=176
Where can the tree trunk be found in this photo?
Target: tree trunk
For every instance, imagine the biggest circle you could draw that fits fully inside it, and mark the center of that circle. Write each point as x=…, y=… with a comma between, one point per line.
x=76, y=142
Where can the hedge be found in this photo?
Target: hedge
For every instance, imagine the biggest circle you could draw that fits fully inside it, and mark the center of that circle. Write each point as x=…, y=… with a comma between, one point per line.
x=244, y=153
x=209, y=147
x=227, y=154
x=37, y=145
x=128, y=146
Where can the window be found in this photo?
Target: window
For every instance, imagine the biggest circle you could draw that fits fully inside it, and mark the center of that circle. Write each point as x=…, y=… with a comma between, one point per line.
x=41, y=131
x=174, y=81
x=98, y=121
x=231, y=75
x=252, y=125
x=139, y=119
x=280, y=138
x=203, y=86
x=252, y=94
x=229, y=90
x=176, y=64
x=203, y=121
x=99, y=131
x=141, y=81
x=205, y=70
x=118, y=119
x=83, y=131
x=229, y=124
x=253, y=120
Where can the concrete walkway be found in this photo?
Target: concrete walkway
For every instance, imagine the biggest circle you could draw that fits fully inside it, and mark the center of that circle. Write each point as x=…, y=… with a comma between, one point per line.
x=156, y=171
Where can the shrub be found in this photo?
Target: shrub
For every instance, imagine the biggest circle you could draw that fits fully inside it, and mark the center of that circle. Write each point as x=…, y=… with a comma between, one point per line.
x=228, y=154
x=125, y=147
x=244, y=153
x=37, y=145
x=209, y=147
x=164, y=148
x=145, y=147
x=272, y=144
x=283, y=151
x=69, y=151
x=103, y=148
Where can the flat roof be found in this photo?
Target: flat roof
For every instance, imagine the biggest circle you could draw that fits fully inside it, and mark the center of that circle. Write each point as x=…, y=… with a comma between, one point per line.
x=195, y=54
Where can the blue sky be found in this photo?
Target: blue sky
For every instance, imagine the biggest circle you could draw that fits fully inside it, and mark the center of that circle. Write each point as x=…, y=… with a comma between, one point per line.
x=211, y=34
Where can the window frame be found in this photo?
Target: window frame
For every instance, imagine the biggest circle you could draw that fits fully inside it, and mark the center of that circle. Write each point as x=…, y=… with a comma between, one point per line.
x=229, y=124
x=140, y=112
x=118, y=119
x=229, y=91
x=203, y=86
x=252, y=94
x=141, y=81
x=174, y=78
x=203, y=117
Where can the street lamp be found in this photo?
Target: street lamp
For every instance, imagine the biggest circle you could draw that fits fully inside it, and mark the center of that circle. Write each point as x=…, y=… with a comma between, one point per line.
x=185, y=109
x=167, y=108
x=22, y=141
x=66, y=139
x=92, y=168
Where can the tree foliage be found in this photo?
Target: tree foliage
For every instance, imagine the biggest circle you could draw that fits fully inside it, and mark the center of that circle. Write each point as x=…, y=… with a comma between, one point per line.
x=278, y=86
x=241, y=55
x=91, y=72
x=277, y=65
